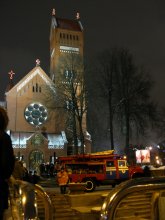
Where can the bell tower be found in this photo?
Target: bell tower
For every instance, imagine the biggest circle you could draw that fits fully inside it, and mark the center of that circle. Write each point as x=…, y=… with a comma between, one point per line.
x=66, y=36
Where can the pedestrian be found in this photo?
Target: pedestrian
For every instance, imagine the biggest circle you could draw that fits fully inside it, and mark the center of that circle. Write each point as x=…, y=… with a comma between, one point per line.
x=30, y=177
x=7, y=161
x=19, y=170
x=147, y=171
x=26, y=175
x=36, y=177
x=62, y=178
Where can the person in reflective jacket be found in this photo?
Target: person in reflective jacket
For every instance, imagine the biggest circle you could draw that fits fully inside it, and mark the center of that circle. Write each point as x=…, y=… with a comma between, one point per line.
x=62, y=178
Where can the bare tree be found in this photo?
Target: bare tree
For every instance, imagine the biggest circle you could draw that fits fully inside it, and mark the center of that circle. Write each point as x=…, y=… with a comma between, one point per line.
x=134, y=108
x=126, y=88
x=69, y=81
x=106, y=67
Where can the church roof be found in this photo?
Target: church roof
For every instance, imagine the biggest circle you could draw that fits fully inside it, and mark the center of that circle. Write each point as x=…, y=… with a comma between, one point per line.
x=35, y=71
x=65, y=24
x=68, y=24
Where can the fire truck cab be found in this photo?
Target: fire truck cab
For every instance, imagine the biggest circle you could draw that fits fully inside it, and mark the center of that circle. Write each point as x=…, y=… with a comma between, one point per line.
x=99, y=169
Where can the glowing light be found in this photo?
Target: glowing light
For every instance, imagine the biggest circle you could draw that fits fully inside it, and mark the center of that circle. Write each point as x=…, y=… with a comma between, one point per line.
x=24, y=200
x=20, y=191
x=157, y=161
x=104, y=206
x=11, y=73
x=65, y=48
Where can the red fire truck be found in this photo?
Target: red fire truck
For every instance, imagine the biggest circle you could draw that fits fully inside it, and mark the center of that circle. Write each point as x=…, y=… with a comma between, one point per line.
x=99, y=168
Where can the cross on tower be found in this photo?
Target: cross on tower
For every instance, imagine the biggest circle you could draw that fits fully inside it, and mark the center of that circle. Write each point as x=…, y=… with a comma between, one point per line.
x=38, y=62
x=11, y=74
x=54, y=12
x=77, y=15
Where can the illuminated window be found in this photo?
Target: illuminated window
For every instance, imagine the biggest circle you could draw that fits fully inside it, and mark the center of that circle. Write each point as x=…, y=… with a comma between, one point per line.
x=36, y=114
x=122, y=163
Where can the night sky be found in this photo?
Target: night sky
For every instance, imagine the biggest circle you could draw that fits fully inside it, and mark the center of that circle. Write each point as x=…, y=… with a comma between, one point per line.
x=138, y=25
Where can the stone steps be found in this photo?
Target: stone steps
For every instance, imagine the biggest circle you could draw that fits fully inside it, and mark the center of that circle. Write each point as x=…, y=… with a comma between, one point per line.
x=62, y=209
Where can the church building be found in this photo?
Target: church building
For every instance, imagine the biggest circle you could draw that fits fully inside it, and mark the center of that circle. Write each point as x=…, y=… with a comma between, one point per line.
x=37, y=131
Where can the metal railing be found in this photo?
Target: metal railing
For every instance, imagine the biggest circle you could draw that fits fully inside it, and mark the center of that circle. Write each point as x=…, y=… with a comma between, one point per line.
x=135, y=199
x=24, y=199
x=41, y=194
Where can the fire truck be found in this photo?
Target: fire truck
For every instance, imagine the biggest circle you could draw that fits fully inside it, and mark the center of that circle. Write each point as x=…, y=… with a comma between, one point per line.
x=99, y=169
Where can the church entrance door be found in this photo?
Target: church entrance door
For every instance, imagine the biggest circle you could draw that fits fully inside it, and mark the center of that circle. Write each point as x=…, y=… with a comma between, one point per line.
x=36, y=158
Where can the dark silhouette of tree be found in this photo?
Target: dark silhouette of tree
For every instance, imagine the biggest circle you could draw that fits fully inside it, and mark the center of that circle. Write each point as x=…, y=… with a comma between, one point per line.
x=106, y=67
x=134, y=107
x=126, y=88
x=71, y=90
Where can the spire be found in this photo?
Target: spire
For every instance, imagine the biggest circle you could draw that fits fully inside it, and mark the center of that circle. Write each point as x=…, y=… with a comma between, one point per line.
x=54, y=22
x=77, y=15
x=53, y=12
x=78, y=20
x=38, y=62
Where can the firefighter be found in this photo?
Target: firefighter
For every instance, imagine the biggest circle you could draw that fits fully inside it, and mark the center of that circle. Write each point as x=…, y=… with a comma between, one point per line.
x=62, y=178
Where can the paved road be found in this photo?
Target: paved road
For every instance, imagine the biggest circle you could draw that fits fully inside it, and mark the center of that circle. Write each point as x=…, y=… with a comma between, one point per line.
x=50, y=183
x=56, y=189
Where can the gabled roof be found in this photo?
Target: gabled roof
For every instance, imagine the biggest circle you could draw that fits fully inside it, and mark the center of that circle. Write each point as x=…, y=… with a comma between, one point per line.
x=35, y=71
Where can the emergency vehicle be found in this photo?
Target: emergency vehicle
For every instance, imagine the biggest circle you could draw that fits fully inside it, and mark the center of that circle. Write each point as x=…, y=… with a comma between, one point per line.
x=99, y=169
